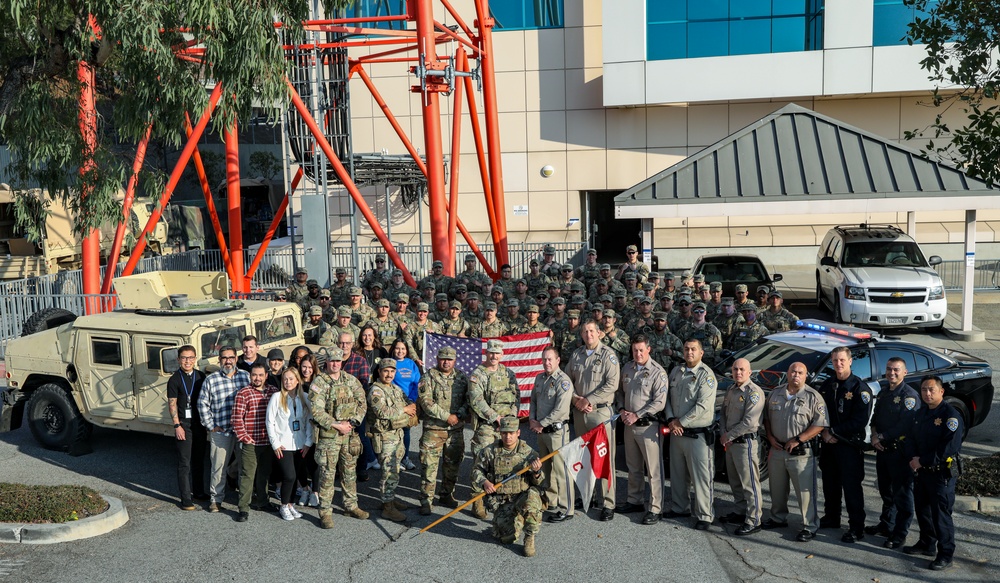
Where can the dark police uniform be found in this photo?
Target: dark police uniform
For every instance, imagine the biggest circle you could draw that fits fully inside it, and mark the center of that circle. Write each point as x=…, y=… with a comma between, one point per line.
x=936, y=439
x=895, y=411
x=849, y=404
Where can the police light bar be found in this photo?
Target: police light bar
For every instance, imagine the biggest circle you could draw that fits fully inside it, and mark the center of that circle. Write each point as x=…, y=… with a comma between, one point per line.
x=830, y=328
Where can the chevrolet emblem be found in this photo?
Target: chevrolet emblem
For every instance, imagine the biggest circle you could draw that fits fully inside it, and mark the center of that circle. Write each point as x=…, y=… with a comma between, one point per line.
x=897, y=294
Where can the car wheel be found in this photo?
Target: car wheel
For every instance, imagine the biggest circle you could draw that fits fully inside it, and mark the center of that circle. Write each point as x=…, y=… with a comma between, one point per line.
x=964, y=412
x=54, y=420
x=46, y=319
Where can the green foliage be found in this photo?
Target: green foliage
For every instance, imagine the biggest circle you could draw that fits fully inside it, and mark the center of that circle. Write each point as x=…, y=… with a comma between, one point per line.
x=48, y=504
x=265, y=164
x=962, y=39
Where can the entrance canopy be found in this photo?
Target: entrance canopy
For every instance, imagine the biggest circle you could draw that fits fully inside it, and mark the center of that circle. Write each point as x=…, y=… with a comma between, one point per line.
x=800, y=162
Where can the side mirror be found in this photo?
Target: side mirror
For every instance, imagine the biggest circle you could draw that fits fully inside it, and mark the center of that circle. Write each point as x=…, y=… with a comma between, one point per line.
x=934, y=260
x=776, y=277
x=169, y=361
x=827, y=262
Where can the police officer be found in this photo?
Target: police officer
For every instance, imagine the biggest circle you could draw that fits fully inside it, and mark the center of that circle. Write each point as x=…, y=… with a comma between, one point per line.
x=388, y=413
x=551, y=400
x=444, y=392
x=493, y=395
x=849, y=403
x=741, y=416
x=689, y=412
x=895, y=409
x=794, y=416
x=595, y=372
x=642, y=396
x=338, y=406
x=933, y=446
x=516, y=504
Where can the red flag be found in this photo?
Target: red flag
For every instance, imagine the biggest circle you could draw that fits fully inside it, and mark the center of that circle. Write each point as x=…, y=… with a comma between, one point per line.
x=587, y=460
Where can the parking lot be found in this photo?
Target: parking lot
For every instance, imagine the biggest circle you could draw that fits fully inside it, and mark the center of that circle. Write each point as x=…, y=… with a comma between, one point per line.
x=162, y=543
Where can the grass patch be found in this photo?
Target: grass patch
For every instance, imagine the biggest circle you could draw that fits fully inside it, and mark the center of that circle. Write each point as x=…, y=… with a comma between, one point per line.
x=48, y=504
x=980, y=477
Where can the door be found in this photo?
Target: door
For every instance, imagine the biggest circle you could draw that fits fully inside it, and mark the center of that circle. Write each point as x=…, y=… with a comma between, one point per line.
x=105, y=367
x=608, y=235
x=150, y=380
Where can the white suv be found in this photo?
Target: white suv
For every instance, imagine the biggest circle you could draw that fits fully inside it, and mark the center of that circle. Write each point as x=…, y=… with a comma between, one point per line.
x=876, y=275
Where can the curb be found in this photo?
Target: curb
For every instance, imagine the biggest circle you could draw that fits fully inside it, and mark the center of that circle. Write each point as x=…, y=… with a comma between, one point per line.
x=979, y=504
x=43, y=534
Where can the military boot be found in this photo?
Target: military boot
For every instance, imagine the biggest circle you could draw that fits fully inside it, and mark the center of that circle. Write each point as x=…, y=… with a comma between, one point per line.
x=529, y=545
x=479, y=509
x=448, y=501
x=390, y=512
x=356, y=513
x=425, y=508
x=326, y=519
x=400, y=505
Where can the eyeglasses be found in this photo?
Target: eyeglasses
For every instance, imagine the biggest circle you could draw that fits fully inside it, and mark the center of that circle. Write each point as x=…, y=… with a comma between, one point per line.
x=227, y=358
x=347, y=343
x=185, y=358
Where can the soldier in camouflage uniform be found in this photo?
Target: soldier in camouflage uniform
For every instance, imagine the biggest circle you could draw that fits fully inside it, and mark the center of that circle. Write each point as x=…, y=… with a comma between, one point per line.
x=542, y=301
x=344, y=324
x=517, y=504
x=473, y=279
x=748, y=331
x=668, y=282
x=379, y=274
x=707, y=334
x=384, y=324
x=549, y=266
x=776, y=318
x=642, y=320
x=440, y=308
x=513, y=319
x=727, y=320
x=493, y=394
x=714, y=303
x=400, y=312
x=598, y=290
x=397, y=285
x=298, y=289
x=339, y=287
x=632, y=265
x=442, y=283
x=338, y=406
x=473, y=312
x=506, y=280
x=317, y=331
x=360, y=313
x=654, y=279
x=613, y=284
x=590, y=271
x=444, y=401
x=615, y=338
x=682, y=315
x=667, y=304
x=491, y=326
x=455, y=324
x=557, y=317
x=329, y=312
x=414, y=333
x=388, y=414
x=532, y=324
x=665, y=348
x=312, y=296
x=534, y=279
x=568, y=338
x=521, y=295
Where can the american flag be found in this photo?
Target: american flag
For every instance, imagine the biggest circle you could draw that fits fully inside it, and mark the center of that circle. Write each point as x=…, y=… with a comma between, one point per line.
x=522, y=354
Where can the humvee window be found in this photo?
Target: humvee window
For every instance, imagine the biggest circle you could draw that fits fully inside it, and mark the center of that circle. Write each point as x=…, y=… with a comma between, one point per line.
x=153, y=354
x=212, y=341
x=274, y=330
x=106, y=351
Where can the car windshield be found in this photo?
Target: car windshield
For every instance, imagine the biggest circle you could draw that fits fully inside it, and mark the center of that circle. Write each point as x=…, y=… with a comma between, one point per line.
x=769, y=361
x=732, y=271
x=883, y=254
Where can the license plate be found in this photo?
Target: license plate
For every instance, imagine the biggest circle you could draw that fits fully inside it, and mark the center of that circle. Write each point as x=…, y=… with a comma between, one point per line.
x=895, y=320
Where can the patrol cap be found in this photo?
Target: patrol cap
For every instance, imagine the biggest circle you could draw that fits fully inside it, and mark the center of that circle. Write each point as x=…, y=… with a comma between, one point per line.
x=668, y=276
x=380, y=257
x=442, y=297
x=668, y=295
x=637, y=294
x=763, y=288
x=343, y=311
x=387, y=363
x=592, y=252
x=455, y=305
x=446, y=353
x=605, y=266
x=533, y=262
x=354, y=291
x=741, y=287
x=512, y=302
x=646, y=300
x=437, y=263
x=715, y=286
x=631, y=248
x=330, y=353
x=566, y=267
x=315, y=311
x=603, y=282
x=609, y=313
x=685, y=290
x=376, y=284
x=549, y=250
x=699, y=277
x=491, y=305
x=461, y=289
x=497, y=291
x=630, y=275
x=532, y=308
x=509, y=424
x=275, y=354
x=404, y=298
x=597, y=308
x=542, y=294
x=577, y=286
x=521, y=280
x=620, y=293
x=301, y=270
x=659, y=315
x=427, y=285
x=648, y=287
x=312, y=283
x=340, y=271
x=748, y=307
x=653, y=276
x=605, y=298
x=573, y=314
x=698, y=306
x=555, y=285
x=727, y=301
x=683, y=299
x=774, y=294
x=704, y=287
x=473, y=296
x=577, y=301
x=494, y=346
x=470, y=257
x=422, y=307
x=396, y=272
x=560, y=301
x=324, y=293
x=383, y=303
x=686, y=274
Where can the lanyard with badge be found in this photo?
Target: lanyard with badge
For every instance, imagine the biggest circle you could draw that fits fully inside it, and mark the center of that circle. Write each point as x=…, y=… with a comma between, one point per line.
x=295, y=415
x=187, y=392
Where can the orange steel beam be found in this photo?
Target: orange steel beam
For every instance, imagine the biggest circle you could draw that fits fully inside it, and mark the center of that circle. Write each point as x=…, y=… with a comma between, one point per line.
x=116, y=246
x=235, y=207
x=206, y=189
x=484, y=172
x=448, y=32
x=175, y=177
x=348, y=183
x=456, y=136
x=458, y=19
x=274, y=225
x=87, y=118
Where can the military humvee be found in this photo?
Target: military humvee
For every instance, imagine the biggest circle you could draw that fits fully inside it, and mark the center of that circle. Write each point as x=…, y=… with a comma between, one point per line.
x=111, y=369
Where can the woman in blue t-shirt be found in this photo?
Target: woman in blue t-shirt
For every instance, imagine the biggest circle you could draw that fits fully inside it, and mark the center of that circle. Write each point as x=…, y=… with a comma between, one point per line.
x=408, y=379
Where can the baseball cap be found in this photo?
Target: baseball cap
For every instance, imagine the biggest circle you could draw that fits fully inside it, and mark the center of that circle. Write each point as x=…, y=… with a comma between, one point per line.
x=559, y=301
x=774, y=294
x=315, y=311
x=354, y=291
x=727, y=301
x=470, y=257
x=301, y=270
x=446, y=353
x=763, y=288
x=340, y=271
x=592, y=252
x=698, y=306
x=324, y=293
x=610, y=314
x=396, y=272
x=741, y=287
x=275, y=354
x=494, y=346
x=312, y=283
x=376, y=284
x=422, y=307
x=631, y=248
x=403, y=298
x=659, y=315
x=549, y=249
x=343, y=311
x=715, y=286
x=512, y=302
x=533, y=308
x=442, y=297
x=437, y=264
x=509, y=424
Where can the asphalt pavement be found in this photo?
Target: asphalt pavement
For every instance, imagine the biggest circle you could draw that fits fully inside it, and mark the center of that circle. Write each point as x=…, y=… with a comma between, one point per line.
x=163, y=543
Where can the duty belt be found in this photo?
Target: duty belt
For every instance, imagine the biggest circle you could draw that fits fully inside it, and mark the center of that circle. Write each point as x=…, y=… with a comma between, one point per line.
x=746, y=437
x=696, y=432
x=558, y=425
x=602, y=405
x=643, y=421
x=802, y=448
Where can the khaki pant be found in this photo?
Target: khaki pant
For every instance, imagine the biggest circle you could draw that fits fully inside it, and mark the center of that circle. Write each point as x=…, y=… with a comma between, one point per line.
x=582, y=422
x=801, y=471
x=692, y=464
x=743, y=468
x=644, y=456
x=557, y=490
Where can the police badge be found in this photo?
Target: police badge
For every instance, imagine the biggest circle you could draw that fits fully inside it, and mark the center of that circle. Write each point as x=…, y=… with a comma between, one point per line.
x=866, y=397
x=910, y=403
x=952, y=424
x=754, y=397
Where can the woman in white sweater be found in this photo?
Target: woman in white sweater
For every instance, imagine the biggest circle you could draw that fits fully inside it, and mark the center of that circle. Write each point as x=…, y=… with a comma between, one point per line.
x=290, y=431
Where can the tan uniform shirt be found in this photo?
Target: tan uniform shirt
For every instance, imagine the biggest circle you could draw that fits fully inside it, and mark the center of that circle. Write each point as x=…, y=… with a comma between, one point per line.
x=551, y=398
x=644, y=389
x=692, y=396
x=789, y=417
x=595, y=376
x=742, y=410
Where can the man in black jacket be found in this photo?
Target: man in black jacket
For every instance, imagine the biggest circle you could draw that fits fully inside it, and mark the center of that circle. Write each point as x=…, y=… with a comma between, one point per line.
x=183, y=389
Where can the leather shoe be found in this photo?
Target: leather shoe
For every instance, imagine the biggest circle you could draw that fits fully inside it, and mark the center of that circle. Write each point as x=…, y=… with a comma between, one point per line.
x=672, y=514
x=827, y=522
x=892, y=543
x=746, y=529
x=266, y=507
x=919, y=549
x=734, y=518
x=650, y=518
x=243, y=517
x=771, y=524
x=805, y=536
x=607, y=514
x=852, y=536
x=939, y=564
x=560, y=517
x=702, y=525
x=878, y=530
x=629, y=508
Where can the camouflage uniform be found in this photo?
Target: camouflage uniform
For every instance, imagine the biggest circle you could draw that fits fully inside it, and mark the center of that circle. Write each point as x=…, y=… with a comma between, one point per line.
x=620, y=344
x=782, y=321
x=387, y=331
x=535, y=283
x=712, y=310
x=442, y=283
x=349, y=329
x=727, y=325
x=383, y=276
x=322, y=334
x=492, y=395
x=296, y=291
x=710, y=337
x=474, y=317
x=454, y=327
x=338, y=293
x=414, y=337
x=362, y=314
x=442, y=395
x=517, y=505
x=746, y=334
x=538, y=327
x=639, y=324
x=489, y=330
x=659, y=343
x=333, y=401
x=514, y=323
x=588, y=274
x=566, y=342
x=392, y=292
x=307, y=302
x=677, y=321
x=386, y=420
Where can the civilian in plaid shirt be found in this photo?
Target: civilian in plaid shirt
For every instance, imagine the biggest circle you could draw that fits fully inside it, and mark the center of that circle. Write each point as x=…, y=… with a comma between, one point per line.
x=250, y=425
x=356, y=366
x=215, y=406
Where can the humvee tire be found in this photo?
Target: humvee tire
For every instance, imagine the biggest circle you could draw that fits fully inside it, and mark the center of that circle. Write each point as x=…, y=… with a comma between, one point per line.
x=54, y=420
x=46, y=320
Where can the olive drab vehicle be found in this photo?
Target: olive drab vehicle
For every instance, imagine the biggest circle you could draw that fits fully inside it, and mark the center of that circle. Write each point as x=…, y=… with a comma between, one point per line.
x=70, y=373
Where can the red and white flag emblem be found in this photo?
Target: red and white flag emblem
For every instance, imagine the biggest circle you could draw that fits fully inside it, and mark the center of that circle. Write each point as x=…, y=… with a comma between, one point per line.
x=587, y=460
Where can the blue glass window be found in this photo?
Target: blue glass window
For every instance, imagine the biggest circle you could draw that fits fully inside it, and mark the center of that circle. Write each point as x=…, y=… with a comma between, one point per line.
x=686, y=29
x=509, y=14
x=891, y=19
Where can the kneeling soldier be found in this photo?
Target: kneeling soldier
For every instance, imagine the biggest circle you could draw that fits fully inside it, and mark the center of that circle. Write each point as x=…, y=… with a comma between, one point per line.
x=388, y=414
x=516, y=505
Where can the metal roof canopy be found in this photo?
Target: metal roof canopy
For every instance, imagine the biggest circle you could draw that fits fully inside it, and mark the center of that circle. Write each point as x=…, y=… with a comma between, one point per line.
x=800, y=162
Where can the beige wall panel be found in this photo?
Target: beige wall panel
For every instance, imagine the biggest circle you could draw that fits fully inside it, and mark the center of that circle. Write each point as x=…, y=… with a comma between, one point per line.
x=943, y=217
x=556, y=182
x=574, y=211
x=718, y=237
x=917, y=113
x=546, y=130
x=750, y=236
x=665, y=223
x=658, y=159
x=586, y=129
x=544, y=49
x=700, y=222
x=383, y=70
x=584, y=88
x=510, y=93
x=670, y=238
x=582, y=13
x=469, y=180
x=879, y=116
x=626, y=168
x=794, y=236
x=363, y=135
x=956, y=232
x=468, y=142
x=666, y=126
x=515, y=171
x=385, y=137
x=707, y=124
x=932, y=233
x=882, y=218
x=743, y=114
x=508, y=50
x=626, y=128
x=586, y=170
x=361, y=99
x=396, y=93
x=547, y=211
x=472, y=210
x=417, y=134
x=545, y=90
x=583, y=47
x=512, y=136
